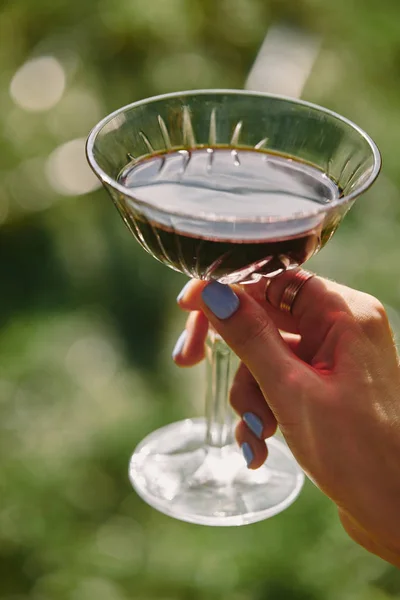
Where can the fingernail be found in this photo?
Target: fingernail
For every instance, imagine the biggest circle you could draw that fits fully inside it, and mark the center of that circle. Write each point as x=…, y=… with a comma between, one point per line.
x=220, y=299
x=183, y=291
x=254, y=423
x=247, y=453
x=179, y=344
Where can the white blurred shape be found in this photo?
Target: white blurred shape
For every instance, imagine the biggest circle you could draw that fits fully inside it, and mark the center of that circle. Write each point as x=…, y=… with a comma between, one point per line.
x=92, y=361
x=39, y=84
x=284, y=62
x=115, y=123
x=68, y=172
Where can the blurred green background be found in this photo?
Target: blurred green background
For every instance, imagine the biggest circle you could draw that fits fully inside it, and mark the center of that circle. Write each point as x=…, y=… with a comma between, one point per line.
x=88, y=320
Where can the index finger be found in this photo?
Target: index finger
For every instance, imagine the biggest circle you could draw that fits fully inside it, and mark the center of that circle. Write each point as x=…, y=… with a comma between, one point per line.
x=190, y=294
x=268, y=293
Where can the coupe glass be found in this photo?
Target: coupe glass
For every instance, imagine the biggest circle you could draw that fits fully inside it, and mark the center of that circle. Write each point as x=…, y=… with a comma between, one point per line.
x=193, y=470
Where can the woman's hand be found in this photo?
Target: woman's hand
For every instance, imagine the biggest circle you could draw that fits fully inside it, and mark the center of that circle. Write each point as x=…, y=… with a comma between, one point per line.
x=328, y=374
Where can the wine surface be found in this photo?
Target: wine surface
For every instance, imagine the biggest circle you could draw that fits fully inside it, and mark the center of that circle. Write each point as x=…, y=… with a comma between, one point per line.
x=212, y=210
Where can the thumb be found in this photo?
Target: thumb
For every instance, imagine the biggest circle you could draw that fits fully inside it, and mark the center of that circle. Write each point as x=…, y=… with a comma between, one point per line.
x=250, y=332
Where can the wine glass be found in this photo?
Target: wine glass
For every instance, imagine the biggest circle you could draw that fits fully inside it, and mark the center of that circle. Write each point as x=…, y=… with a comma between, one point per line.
x=233, y=186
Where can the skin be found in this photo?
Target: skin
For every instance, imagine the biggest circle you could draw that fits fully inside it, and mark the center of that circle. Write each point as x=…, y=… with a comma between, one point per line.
x=328, y=374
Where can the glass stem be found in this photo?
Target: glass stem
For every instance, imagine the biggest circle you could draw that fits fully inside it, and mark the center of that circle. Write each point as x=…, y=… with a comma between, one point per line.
x=219, y=414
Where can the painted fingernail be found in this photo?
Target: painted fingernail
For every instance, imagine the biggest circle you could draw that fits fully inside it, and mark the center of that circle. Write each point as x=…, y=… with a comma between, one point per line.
x=247, y=453
x=179, y=344
x=183, y=291
x=254, y=423
x=220, y=299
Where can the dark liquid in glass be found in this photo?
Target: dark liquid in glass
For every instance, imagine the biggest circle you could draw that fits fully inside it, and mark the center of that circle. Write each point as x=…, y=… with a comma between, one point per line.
x=225, y=194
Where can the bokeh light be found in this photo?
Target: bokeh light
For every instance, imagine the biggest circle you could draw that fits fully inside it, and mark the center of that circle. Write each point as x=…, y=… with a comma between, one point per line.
x=67, y=170
x=39, y=84
x=284, y=62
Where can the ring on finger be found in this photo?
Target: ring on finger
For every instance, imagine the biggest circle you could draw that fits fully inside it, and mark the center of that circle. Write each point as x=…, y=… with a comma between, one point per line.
x=292, y=290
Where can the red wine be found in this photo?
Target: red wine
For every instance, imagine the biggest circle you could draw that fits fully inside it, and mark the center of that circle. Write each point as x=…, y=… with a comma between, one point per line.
x=226, y=214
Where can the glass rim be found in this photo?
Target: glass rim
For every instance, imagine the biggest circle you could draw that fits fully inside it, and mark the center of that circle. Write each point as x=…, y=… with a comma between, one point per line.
x=214, y=217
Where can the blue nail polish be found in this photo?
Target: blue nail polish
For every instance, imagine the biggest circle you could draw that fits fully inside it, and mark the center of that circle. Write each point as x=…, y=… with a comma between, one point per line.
x=183, y=291
x=220, y=299
x=254, y=423
x=179, y=344
x=247, y=453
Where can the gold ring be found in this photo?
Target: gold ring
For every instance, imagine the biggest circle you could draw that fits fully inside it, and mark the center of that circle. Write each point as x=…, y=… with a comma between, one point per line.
x=292, y=289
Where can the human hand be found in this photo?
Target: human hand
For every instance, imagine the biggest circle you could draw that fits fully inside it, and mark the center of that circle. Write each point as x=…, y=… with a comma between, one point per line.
x=328, y=374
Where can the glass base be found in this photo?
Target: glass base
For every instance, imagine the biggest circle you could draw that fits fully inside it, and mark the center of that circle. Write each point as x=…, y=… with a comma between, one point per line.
x=173, y=471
